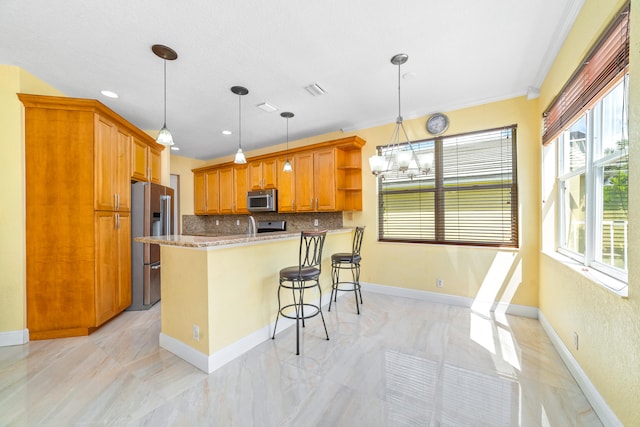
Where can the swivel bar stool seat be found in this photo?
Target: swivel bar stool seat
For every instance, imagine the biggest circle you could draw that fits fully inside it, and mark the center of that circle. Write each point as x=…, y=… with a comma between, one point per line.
x=298, y=279
x=347, y=261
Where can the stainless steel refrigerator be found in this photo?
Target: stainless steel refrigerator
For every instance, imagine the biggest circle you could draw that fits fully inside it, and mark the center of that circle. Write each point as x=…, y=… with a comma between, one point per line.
x=151, y=210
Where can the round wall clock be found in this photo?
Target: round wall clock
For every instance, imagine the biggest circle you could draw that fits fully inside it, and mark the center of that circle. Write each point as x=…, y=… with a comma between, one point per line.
x=438, y=123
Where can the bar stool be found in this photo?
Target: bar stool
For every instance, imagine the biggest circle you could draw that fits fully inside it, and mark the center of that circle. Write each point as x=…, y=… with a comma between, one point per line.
x=295, y=278
x=350, y=261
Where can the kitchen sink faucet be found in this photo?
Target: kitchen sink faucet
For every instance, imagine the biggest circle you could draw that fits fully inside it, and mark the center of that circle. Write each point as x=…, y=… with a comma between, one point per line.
x=251, y=229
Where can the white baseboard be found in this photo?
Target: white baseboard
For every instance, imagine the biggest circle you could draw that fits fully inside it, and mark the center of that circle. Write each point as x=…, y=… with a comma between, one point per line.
x=14, y=338
x=515, y=309
x=607, y=416
x=220, y=358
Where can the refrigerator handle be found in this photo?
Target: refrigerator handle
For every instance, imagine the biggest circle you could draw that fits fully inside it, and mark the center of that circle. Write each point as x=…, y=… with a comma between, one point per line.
x=165, y=213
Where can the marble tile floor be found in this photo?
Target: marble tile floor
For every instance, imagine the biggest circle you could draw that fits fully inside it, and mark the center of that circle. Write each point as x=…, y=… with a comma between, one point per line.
x=402, y=362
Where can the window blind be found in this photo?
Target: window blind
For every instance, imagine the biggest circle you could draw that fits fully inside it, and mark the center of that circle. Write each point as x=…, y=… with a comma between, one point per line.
x=603, y=65
x=470, y=197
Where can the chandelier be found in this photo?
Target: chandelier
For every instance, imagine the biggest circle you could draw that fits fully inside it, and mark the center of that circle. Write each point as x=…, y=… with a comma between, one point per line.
x=398, y=158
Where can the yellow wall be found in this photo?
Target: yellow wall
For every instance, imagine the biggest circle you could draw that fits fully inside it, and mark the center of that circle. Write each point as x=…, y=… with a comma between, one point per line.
x=608, y=325
x=182, y=166
x=13, y=316
x=507, y=276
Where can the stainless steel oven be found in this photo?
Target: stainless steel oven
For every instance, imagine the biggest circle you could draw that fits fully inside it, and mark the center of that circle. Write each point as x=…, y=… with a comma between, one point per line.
x=262, y=201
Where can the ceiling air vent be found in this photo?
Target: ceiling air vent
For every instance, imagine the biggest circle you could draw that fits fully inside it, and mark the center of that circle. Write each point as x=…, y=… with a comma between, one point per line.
x=315, y=89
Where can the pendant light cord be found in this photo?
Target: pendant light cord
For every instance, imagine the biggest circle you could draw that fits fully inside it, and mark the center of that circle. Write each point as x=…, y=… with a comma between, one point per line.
x=239, y=121
x=399, y=119
x=165, y=92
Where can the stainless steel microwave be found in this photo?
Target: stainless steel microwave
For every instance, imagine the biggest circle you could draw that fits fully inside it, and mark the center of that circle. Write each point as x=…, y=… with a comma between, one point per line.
x=262, y=201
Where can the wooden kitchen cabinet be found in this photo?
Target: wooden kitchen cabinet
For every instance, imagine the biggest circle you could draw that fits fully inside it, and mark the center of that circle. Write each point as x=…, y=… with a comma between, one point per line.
x=206, y=190
x=155, y=155
x=324, y=180
x=113, y=271
x=78, y=172
x=263, y=174
x=112, y=163
x=220, y=190
x=145, y=161
x=226, y=192
x=326, y=177
x=315, y=181
x=286, y=187
x=241, y=186
x=303, y=175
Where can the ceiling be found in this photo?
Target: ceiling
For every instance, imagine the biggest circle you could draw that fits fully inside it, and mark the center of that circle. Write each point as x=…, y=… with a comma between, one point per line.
x=461, y=53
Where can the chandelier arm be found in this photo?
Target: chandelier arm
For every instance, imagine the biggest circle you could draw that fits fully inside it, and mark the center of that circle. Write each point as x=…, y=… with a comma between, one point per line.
x=404, y=131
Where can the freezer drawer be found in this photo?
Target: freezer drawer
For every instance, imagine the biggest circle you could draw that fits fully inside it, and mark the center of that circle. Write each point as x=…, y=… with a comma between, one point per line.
x=145, y=286
x=151, y=293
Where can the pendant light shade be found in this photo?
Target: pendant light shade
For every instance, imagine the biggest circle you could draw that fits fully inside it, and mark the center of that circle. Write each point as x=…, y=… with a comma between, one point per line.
x=167, y=54
x=240, y=91
x=287, y=165
x=398, y=158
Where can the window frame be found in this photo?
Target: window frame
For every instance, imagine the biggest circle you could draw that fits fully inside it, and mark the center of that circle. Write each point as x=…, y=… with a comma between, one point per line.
x=440, y=188
x=594, y=191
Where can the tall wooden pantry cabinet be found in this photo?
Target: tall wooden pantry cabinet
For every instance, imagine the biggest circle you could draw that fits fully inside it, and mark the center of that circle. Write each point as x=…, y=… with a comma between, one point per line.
x=78, y=230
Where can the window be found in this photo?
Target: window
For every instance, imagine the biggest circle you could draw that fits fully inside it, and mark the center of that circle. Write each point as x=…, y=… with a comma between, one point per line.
x=469, y=197
x=593, y=166
x=588, y=123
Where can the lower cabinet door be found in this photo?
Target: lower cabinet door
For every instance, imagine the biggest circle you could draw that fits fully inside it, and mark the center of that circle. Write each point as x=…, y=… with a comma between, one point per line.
x=113, y=264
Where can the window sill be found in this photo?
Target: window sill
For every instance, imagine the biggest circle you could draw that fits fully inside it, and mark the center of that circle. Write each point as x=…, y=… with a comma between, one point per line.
x=602, y=280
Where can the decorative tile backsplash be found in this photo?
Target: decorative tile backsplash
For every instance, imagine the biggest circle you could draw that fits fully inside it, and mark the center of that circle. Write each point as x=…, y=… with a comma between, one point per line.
x=221, y=225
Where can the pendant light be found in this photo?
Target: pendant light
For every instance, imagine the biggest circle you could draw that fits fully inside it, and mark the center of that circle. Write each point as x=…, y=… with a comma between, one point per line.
x=167, y=54
x=287, y=165
x=240, y=91
x=395, y=159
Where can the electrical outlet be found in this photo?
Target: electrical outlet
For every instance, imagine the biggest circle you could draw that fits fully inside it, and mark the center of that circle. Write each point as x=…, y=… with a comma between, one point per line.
x=575, y=340
x=217, y=222
x=315, y=222
x=439, y=283
x=196, y=332
x=237, y=222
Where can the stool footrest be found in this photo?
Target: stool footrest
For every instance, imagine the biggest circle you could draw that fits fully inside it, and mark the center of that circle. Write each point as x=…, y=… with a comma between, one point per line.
x=314, y=313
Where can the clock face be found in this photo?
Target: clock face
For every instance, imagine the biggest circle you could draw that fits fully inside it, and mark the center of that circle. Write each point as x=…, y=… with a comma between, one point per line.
x=437, y=124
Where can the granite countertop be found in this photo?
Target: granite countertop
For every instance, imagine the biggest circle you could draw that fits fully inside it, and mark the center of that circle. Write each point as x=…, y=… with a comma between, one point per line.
x=210, y=241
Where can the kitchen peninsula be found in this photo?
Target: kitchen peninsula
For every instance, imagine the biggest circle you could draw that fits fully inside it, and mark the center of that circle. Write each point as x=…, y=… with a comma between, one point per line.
x=219, y=294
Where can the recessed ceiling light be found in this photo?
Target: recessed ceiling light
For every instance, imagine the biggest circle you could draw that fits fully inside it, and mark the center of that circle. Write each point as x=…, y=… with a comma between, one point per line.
x=226, y=132
x=109, y=94
x=409, y=75
x=265, y=106
x=315, y=89
x=174, y=148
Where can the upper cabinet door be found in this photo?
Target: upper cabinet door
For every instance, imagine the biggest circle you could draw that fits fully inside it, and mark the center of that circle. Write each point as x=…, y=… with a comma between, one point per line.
x=263, y=174
x=105, y=196
x=325, y=179
x=145, y=162
x=241, y=183
x=139, y=160
x=286, y=188
x=112, y=151
x=156, y=168
x=212, y=191
x=270, y=173
x=304, y=200
x=199, y=194
x=226, y=193
x=122, y=170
